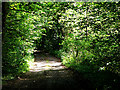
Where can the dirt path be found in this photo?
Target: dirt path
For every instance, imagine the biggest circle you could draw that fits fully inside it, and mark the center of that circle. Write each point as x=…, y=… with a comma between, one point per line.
x=46, y=73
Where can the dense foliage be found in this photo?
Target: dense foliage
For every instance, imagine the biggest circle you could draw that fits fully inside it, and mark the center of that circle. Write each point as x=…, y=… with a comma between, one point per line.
x=26, y=27
x=21, y=28
x=92, y=36
x=84, y=35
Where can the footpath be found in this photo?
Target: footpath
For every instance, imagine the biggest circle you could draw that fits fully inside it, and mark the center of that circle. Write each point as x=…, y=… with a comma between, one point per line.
x=48, y=73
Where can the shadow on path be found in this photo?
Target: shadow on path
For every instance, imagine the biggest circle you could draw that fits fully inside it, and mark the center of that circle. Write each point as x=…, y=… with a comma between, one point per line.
x=46, y=73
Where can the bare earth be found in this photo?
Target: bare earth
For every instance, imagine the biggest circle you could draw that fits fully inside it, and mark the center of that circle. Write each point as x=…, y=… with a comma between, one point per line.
x=48, y=73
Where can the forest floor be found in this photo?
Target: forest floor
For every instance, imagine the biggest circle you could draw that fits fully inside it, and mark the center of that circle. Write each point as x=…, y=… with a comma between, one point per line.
x=46, y=73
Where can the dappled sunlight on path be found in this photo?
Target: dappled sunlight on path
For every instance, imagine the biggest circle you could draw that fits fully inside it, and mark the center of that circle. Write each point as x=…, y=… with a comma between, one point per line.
x=43, y=63
x=47, y=72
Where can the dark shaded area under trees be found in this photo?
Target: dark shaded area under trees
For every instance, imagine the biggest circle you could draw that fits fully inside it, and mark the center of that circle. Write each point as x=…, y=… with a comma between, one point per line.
x=86, y=36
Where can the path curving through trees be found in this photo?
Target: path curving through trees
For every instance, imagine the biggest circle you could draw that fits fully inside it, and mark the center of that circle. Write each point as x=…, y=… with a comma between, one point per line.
x=46, y=73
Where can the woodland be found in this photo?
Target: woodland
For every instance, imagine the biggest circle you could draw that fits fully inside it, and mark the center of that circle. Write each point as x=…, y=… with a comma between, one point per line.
x=84, y=35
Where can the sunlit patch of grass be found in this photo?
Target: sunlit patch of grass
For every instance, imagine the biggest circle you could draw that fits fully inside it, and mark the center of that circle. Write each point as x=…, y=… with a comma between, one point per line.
x=8, y=77
x=30, y=61
x=47, y=65
x=47, y=61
